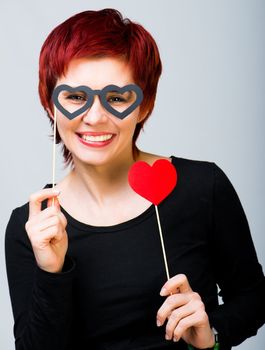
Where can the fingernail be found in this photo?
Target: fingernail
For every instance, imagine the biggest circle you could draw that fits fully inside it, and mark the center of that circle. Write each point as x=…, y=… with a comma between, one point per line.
x=167, y=337
x=57, y=192
x=158, y=323
x=175, y=339
x=163, y=292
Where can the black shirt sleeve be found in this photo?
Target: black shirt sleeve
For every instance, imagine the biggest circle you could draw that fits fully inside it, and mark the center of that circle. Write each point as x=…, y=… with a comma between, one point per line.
x=41, y=301
x=238, y=272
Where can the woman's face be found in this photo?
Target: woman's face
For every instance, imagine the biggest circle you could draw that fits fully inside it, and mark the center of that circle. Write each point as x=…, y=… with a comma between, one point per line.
x=96, y=136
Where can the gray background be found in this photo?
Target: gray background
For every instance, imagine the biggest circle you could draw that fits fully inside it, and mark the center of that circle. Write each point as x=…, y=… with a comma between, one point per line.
x=210, y=102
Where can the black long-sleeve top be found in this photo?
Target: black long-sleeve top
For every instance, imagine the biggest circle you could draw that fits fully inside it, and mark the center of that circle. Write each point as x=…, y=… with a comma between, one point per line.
x=107, y=295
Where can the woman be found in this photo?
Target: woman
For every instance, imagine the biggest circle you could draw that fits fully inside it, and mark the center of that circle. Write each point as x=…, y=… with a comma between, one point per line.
x=88, y=272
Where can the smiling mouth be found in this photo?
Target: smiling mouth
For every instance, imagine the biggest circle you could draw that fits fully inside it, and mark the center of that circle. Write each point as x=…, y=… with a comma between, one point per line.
x=98, y=138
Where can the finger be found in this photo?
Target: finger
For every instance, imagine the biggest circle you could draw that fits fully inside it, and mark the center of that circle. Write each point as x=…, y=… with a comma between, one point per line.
x=60, y=213
x=187, y=322
x=56, y=204
x=44, y=238
x=178, y=283
x=37, y=198
x=51, y=218
x=170, y=304
x=43, y=215
x=63, y=219
x=57, y=219
x=54, y=220
x=177, y=315
x=53, y=202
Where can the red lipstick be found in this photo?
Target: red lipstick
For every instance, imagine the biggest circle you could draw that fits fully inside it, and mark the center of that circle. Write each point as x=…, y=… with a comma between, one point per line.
x=95, y=143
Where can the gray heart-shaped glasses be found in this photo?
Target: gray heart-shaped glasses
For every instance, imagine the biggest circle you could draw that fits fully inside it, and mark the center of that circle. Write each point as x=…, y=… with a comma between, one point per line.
x=119, y=101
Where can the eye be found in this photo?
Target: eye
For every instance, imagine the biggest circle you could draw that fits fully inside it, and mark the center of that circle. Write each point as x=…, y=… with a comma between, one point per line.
x=76, y=98
x=116, y=99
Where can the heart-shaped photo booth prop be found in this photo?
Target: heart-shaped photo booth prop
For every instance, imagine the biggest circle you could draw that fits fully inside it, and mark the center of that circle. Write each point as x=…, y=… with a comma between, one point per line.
x=155, y=182
x=119, y=101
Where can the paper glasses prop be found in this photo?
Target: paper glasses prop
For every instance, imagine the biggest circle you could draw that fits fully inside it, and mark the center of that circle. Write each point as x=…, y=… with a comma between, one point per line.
x=119, y=101
x=73, y=101
x=154, y=183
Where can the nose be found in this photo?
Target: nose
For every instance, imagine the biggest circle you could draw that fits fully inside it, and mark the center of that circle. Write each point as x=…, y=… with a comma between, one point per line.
x=96, y=114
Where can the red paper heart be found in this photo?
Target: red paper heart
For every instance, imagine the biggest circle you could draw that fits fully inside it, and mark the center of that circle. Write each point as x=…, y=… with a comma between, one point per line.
x=153, y=182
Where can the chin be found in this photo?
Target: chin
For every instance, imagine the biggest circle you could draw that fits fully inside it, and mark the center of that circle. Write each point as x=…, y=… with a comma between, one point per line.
x=95, y=159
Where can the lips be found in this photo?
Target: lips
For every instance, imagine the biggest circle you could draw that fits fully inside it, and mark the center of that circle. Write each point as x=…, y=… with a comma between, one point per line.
x=95, y=139
x=94, y=133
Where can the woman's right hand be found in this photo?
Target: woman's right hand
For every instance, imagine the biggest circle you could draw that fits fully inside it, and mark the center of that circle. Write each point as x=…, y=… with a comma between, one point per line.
x=46, y=231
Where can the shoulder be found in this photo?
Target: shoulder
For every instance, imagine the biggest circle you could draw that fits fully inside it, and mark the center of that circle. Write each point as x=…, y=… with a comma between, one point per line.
x=178, y=162
x=19, y=217
x=149, y=158
x=199, y=172
x=20, y=214
x=15, y=233
x=203, y=178
x=198, y=168
x=187, y=163
x=195, y=170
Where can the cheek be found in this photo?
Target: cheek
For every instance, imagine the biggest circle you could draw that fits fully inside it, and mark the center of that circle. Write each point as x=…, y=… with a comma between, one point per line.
x=125, y=127
x=129, y=123
x=64, y=125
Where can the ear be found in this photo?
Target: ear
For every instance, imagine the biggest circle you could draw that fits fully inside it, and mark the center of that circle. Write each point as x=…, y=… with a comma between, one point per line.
x=142, y=116
x=50, y=113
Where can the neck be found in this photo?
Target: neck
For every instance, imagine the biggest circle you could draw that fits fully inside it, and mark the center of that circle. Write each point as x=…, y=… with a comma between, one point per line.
x=105, y=181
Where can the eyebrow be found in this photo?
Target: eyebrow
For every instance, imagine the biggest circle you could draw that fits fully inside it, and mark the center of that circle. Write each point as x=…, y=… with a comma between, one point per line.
x=127, y=94
x=65, y=92
x=121, y=93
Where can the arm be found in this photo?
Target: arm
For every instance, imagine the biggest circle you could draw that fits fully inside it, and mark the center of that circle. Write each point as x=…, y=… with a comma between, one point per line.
x=237, y=270
x=41, y=300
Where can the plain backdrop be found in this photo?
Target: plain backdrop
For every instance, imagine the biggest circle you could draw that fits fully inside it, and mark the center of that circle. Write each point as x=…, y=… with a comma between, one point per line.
x=210, y=102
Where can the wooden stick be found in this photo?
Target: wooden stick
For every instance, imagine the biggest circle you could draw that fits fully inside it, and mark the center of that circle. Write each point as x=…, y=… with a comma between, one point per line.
x=162, y=242
x=53, y=150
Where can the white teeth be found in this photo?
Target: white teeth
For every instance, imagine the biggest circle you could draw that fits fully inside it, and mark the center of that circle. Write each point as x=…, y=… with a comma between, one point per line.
x=96, y=138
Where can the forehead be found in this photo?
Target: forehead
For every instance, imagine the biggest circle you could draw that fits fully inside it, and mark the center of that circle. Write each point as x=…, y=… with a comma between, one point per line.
x=97, y=72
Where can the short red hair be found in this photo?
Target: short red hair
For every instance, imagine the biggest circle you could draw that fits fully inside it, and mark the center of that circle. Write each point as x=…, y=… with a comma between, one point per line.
x=103, y=33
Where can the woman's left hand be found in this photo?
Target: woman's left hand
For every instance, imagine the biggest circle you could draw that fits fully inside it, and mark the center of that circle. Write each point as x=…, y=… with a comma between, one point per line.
x=186, y=314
